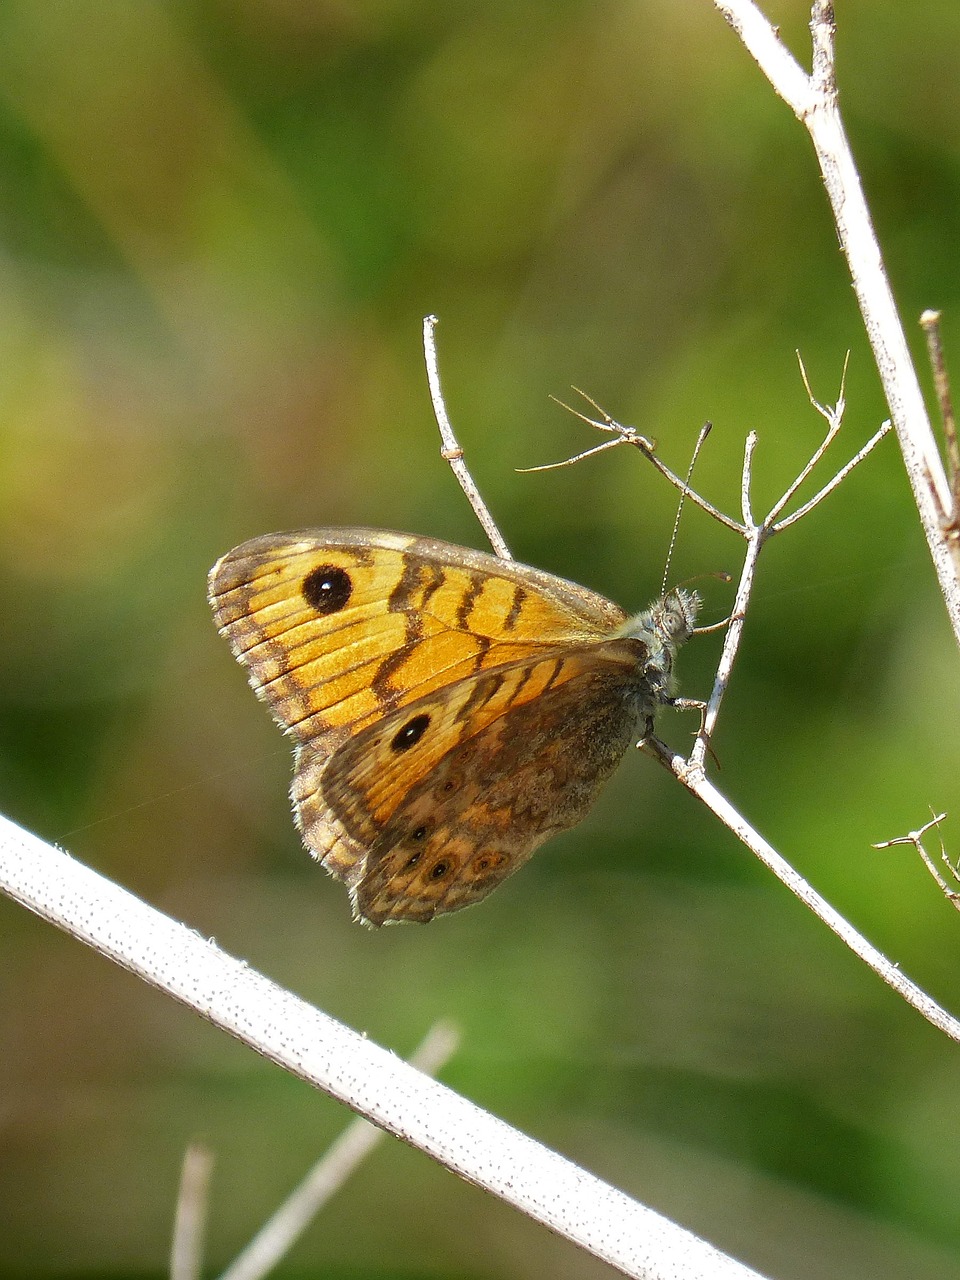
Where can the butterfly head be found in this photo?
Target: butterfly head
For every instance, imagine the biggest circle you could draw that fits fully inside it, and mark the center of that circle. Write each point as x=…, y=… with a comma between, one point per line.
x=664, y=627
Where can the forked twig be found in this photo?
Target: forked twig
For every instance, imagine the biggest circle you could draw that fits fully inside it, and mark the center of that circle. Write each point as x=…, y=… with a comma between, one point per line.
x=629, y=435
x=916, y=839
x=451, y=451
x=285, y=1226
x=834, y=419
x=838, y=479
x=756, y=533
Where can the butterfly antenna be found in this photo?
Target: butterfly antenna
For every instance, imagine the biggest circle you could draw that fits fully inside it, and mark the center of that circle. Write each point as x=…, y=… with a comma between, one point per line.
x=704, y=432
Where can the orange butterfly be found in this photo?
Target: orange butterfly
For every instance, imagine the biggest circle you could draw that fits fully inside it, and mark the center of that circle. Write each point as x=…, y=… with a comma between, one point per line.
x=450, y=710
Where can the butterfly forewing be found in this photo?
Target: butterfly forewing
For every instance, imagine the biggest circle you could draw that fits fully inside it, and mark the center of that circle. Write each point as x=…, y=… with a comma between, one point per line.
x=335, y=627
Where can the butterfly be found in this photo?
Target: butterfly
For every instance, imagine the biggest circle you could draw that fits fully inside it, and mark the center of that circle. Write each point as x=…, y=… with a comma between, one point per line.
x=450, y=710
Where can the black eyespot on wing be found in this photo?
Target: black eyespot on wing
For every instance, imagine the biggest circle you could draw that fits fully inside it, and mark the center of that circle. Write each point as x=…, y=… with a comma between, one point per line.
x=410, y=733
x=327, y=588
x=439, y=870
x=412, y=860
x=419, y=833
x=489, y=861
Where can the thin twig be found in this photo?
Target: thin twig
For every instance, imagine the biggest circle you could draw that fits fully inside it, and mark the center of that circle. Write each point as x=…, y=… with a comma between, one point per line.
x=190, y=1218
x=755, y=535
x=629, y=435
x=284, y=1227
x=694, y=779
x=720, y=516
x=731, y=645
x=691, y=771
x=749, y=448
x=577, y=457
x=930, y=323
x=451, y=450
x=622, y=435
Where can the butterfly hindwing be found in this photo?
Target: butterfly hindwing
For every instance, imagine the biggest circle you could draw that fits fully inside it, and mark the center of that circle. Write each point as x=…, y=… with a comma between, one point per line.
x=506, y=778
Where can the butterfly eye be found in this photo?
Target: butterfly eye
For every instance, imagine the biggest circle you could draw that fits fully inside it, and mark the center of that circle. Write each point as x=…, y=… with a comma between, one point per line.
x=327, y=589
x=410, y=734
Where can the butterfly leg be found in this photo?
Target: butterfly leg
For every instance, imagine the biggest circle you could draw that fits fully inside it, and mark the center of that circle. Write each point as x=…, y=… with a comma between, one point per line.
x=695, y=704
x=677, y=704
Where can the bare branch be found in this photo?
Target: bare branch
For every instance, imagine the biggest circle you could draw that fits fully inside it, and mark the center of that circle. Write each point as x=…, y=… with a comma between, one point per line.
x=834, y=417
x=694, y=779
x=627, y=435
x=746, y=509
x=731, y=646
x=453, y=1131
x=762, y=40
x=930, y=323
x=451, y=451
x=574, y=458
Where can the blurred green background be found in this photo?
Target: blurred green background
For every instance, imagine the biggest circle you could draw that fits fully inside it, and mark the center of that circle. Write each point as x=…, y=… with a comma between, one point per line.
x=221, y=222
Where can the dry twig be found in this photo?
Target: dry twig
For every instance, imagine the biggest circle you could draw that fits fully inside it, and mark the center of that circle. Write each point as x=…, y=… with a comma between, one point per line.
x=930, y=323
x=190, y=1218
x=915, y=838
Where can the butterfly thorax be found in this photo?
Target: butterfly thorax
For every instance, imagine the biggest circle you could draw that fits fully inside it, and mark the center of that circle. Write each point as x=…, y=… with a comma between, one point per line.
x=663, y=628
